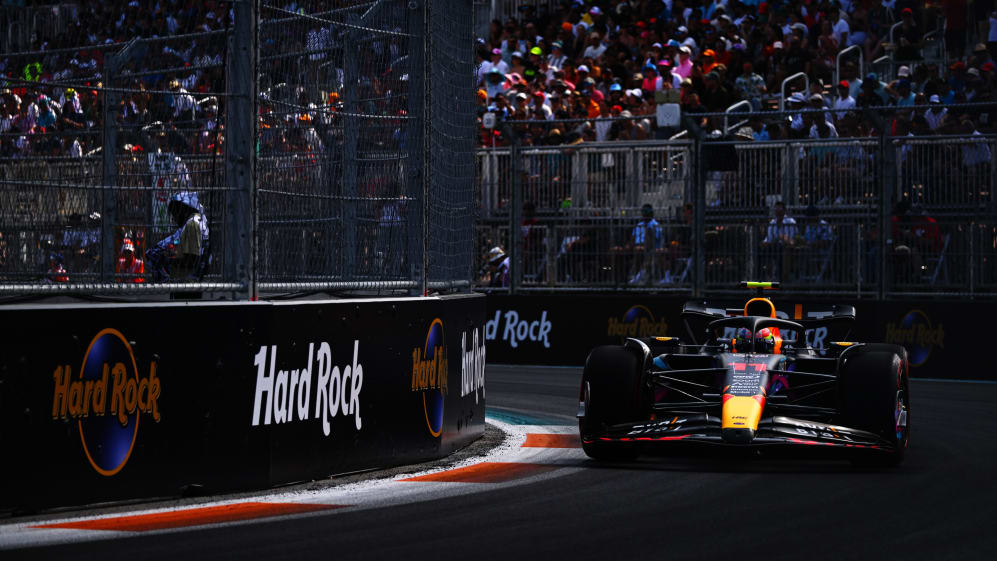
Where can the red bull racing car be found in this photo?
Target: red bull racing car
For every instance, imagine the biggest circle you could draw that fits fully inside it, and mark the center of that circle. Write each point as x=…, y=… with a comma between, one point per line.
x=746, y=378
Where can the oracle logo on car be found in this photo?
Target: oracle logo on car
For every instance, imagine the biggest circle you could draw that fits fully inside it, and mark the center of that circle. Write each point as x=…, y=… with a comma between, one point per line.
x=430, y=370
x=107, y=400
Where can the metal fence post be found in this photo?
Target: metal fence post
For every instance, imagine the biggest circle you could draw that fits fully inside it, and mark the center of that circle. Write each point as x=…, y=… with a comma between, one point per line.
x=240, y=153
x=418, y=242
x=515, y=213
x=790, y=163
x=888, y=179
x=699, y=218
x=109, y=139
x=109, y=177
x=351, y=133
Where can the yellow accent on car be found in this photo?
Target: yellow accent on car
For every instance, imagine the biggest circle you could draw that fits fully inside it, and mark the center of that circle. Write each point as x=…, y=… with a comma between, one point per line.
x=741, y=412
x=663, y=338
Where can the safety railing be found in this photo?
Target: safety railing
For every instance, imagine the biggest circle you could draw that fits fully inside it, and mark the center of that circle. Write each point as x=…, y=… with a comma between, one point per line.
x=950, y=174
x=883, y=67
x=815, y=255
x=789, y=80
x=747, y=177
x=857, y=185
x=841, y=54
x=743, y=104
x=584, y=178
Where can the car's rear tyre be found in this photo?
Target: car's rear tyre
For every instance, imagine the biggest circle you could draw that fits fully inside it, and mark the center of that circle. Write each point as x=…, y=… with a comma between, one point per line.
x=874, y=387
x=612, y=394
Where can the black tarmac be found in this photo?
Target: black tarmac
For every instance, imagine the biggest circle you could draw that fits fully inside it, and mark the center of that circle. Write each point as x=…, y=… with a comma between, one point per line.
x=941, y=503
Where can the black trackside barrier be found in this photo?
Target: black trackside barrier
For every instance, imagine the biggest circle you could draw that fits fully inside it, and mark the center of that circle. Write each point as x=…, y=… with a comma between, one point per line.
x=943, y=339
x=111, y=402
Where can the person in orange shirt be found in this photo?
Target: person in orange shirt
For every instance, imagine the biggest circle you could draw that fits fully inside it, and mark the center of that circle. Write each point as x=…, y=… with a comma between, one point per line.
x=128, y=266
x=708, y=61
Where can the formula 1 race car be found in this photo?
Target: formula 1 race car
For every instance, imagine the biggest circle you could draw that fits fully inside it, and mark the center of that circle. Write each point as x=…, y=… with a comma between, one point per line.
x=746, y=379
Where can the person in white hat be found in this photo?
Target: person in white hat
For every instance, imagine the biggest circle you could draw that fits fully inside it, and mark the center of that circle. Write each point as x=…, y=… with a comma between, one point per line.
x=935, y=115
x=684, y=66
x=796, y=101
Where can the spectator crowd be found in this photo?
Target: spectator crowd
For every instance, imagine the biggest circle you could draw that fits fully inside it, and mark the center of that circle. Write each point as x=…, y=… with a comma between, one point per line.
x=580, y=60
x=40, y=118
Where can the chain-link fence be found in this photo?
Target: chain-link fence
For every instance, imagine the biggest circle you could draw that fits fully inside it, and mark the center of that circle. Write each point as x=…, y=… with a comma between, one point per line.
x=238, y=147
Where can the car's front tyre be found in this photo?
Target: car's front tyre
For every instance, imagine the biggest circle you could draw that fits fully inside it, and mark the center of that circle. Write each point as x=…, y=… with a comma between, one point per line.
x=611, y=393
x=874, y=386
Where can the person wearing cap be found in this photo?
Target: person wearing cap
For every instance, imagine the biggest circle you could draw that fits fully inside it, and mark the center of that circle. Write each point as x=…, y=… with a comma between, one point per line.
x=652, y=82
x=669, y=79
x=497, y=61
x=497, y=268
x=556, y=58
x=873, y=92
x=684, y=66
x=520, y=107
x=129, y=267
x=707, y=61
x=540, y=107
x=981, y=56
x=821, y=126
x=716, y=97
x=518, y=65
x=595, y=46
x=751, y=86
x=901, y=93
x=581, y=72
x=495, y=83
x=909, y=39
x=495, y=64
x=844, y=102
x=797, y=124
x=935, y=115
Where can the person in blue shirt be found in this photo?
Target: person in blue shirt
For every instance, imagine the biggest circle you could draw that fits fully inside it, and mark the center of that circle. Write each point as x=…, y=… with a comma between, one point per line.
x=646, y=241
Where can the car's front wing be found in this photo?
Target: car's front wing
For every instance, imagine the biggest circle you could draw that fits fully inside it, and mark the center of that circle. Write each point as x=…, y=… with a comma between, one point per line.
x=705, y=428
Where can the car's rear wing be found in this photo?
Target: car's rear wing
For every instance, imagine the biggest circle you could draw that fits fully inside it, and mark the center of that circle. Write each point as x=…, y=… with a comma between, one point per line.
x=696, y=315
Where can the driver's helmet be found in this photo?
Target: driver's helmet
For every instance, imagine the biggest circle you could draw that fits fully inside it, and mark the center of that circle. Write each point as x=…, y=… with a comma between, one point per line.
x=742, y=340
x=764, y=341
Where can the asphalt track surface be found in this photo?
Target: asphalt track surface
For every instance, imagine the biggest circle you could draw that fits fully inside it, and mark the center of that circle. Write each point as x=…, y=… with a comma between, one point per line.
x=939, y=504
